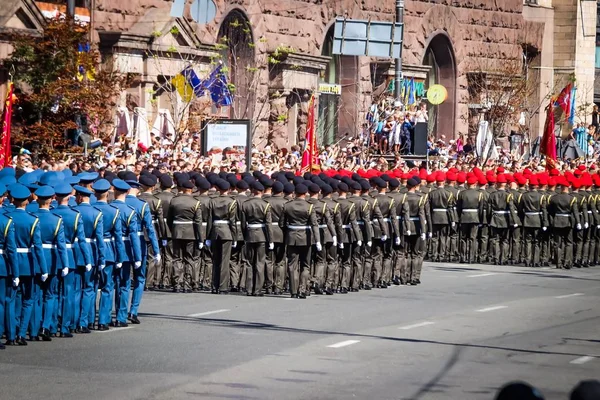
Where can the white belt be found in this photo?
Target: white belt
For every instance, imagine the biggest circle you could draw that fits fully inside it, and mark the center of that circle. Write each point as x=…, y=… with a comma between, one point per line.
x=322, y=226
x=298, y=227
x=275, y=223
x=414, y=218
x=346, y=226
x=183, y=222
x=589, y=212
x=69, y=246
x=140, y=233
x=387, y=220
x=256, y=225
x=109, y=240
x=533, y=213
x=23, y=250
x=204, y=223
x=500, y=212
x=470, y=210
x=441, y=210
x=1, y=251
x=126, y=238
x=360, y=222
x=88, y=240
x=238, y=222
x=220, y=222
x=563, y=215
x=48, y=246
x=399, y=217
x=154, y=221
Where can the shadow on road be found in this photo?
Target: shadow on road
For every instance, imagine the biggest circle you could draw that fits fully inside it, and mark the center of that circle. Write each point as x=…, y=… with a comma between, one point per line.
x=523, y=271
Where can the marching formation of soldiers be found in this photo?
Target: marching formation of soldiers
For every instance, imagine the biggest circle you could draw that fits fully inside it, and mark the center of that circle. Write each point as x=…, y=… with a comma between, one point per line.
x=64, y=238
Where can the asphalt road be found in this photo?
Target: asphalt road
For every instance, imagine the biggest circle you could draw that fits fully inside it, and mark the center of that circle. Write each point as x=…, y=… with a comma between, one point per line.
x=460, y=335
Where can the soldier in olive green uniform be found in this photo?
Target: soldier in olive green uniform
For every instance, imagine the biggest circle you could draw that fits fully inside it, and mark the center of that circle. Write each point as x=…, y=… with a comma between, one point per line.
x=397, y=246
x=222, y=234
x=349, y=242
x=471, y=211
x=328, y=235
x=275, y=273
x=205, y=256
x=483, y=248
x=454, y=236
x=236, y=270
x=331, y=249
x=546, y=238
x=382, y=272
x=443, y=217
x=579, y=235
x=501, y=214
x=535, y=220
x=589, y=246
x=298, y=217
x=166, y=195
x=413, y=219
x=563, y=212
x=185, y=221
x=153, y=274
x=360, y=252
x=256, y=225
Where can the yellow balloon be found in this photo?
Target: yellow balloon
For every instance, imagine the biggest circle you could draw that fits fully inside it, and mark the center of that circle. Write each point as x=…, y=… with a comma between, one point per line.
x=437, y=94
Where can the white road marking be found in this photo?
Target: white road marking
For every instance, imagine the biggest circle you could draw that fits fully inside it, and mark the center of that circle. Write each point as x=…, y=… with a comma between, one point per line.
x=492, y=308
x=581, y=360
x=202, y=314
x=307, y=298
x=114, y=329
x=417, y=325
x=566, y=296
x=482, y=275
x=343, y=344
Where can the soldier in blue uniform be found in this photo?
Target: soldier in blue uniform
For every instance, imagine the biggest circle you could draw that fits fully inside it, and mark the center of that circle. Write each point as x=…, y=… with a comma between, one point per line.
x=55, y=252
x=133, y=251
x=80, y=259
x=114, y=249
x=144, y=215
x=92, y=223
x=9, y=270
x=31, y=262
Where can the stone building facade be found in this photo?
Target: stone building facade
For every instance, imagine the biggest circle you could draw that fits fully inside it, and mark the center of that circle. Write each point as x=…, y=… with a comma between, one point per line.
x=287, y=48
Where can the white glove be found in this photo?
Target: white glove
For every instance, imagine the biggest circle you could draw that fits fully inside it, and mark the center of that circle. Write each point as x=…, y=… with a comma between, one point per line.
x=397, y=241
x=44, y=277
x=65, y=271
x=119, y=265
x=453, y=224
x=208, y=242
x=164, y=243
x=16, y=282
x=359, y=243
x=383, y=238
x=422, y=236
x=234, y=244
x=88, y=268
x=544, y=228
x=271, y=246
x=578, y=227
x=137, y=264
x=430, y=234
x=598, y=226
x=369, y=244
x=480, y=225
x=158, y=258
x=341, y=245
x=407, y=233
x=515, y=225
x=200, y=245
x=585, y=225
x=319, y=247
x=101, y=266
x=334, y=241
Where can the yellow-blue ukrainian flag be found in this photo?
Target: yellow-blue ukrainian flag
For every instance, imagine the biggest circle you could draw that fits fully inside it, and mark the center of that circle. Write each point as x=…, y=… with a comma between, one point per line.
x=188, y=84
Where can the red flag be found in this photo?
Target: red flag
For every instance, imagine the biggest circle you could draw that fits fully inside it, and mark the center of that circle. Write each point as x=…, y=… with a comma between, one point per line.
x=564, y=100
x=310, y=157
x=5, y=153
x=548, y=142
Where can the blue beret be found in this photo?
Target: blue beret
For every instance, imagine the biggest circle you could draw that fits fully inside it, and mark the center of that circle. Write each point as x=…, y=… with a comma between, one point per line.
x=166, y=181
x=386, y=177
x=63, y=189
x=314, y=188
x=381, y=183
x=342, y=187
x=266, y=182
x=101, y=185
x=301, y=189
x=412, y=182
x=212, y=178
x=202, y=183
x=222, y=184
x=19, y=192
x=45, y=192
x=7, y=171
x=187, y=184
x=364, y=184
x=334, y=184
x=394, y=183
x=88, y=176
x=417, y=179
x=85, y=191
x=289, y=175
x=355, y=186
x=148, y=180
x=242, y=185
x=288, y=188
x=298, y=180
x=121, y=185
x=326, y=189
x=277, y=187
x=258, y=186
x=2, y=189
